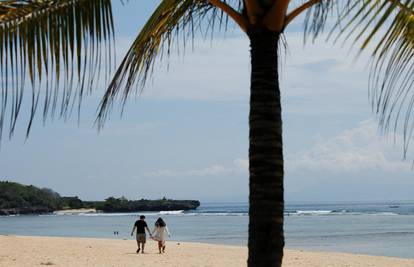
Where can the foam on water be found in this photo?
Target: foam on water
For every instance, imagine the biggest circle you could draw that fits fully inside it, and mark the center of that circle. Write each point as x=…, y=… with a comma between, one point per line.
x=313, y=212
x=172, y=212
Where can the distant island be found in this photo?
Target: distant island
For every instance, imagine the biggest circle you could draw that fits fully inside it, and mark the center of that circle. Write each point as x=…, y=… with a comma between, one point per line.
x=17, y=198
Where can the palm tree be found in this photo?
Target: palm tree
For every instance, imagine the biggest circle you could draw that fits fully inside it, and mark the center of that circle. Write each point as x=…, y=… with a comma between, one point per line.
x=60, y=43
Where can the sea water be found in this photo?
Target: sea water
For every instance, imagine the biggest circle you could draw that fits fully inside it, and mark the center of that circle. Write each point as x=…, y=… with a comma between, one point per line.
x=376, y=228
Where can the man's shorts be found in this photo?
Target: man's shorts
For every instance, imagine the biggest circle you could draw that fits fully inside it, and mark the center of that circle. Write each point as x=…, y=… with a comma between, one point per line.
x=142, y=238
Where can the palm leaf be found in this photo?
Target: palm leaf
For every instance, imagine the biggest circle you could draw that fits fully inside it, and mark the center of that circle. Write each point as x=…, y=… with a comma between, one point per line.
x=386, y=27
x=57, y=44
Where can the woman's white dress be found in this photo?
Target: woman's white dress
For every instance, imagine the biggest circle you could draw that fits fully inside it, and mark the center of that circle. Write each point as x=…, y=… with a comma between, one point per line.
x=160, y=233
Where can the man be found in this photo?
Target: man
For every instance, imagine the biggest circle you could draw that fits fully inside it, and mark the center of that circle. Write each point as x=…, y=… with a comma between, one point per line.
x=141, y=225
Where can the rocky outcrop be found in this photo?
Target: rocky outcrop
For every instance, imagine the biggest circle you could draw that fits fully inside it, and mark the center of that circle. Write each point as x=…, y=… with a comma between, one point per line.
x=124, y=205
x=27, y=210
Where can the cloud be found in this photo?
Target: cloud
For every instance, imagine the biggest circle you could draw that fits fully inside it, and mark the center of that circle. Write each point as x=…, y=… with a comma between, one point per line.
x=219, y=70
x=238, y=166
x=358, y=149
x=241, y=164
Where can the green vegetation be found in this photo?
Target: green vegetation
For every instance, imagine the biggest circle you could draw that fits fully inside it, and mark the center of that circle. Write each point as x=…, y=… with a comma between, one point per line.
x=16, y=198
x=71, y=203
x=14, y=195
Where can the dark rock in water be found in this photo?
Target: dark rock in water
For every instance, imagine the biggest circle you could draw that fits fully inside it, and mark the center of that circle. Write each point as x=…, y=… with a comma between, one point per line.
x=25, y=210
x=123, y=205
x=394, y=207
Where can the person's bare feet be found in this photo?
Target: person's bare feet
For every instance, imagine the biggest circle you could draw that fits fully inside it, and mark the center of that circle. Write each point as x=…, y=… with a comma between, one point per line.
x=163, y=249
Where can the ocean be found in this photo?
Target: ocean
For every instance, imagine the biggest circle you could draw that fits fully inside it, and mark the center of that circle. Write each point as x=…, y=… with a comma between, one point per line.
x=374, y=228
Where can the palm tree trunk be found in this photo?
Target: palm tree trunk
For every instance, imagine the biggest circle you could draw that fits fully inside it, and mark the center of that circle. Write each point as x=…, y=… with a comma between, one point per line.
x=266, y=240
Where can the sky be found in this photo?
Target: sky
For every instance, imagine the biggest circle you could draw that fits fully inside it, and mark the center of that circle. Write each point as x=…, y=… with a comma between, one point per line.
x=186, y=136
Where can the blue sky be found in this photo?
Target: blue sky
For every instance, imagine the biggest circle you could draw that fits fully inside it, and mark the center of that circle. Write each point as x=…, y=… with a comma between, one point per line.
x=187, y=135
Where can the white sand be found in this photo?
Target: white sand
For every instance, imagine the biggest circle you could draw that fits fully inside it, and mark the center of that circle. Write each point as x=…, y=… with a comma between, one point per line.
x=51, y=251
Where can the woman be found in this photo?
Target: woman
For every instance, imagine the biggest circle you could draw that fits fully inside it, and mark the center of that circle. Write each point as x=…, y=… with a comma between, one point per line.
x=159, y=233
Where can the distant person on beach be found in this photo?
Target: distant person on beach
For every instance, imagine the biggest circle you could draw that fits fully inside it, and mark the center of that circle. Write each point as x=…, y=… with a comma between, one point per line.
x=159, y=233
x=141, y=225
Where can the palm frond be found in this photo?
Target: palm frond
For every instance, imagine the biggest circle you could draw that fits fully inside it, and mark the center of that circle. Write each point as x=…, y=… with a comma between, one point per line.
x=172, y=20
x=386, y=27
x=57, y=44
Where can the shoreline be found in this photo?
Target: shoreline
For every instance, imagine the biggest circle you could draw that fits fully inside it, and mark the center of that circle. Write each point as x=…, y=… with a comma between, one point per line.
x=69, y=251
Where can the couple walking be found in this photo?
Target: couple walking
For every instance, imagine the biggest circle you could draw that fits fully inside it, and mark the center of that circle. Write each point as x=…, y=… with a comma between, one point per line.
x=158, y=234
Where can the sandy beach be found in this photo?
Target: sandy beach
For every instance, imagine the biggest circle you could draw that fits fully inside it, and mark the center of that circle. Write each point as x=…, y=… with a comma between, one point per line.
x=56, y=251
